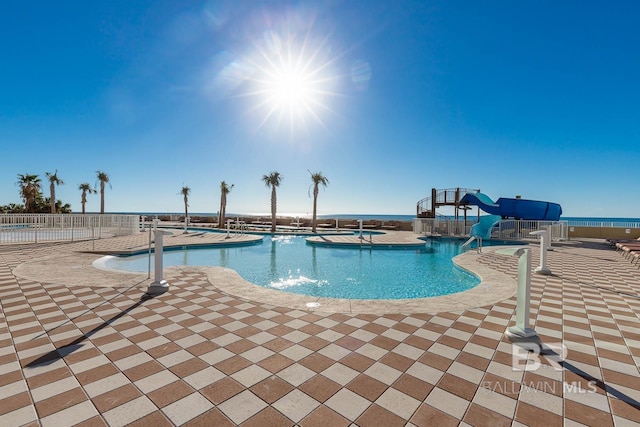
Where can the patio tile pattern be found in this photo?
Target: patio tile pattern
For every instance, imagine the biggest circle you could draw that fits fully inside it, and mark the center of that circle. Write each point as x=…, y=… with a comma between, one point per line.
x=110, y=355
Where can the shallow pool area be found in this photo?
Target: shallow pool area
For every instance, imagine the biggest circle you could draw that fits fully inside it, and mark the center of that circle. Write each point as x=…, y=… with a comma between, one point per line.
x=289, y=263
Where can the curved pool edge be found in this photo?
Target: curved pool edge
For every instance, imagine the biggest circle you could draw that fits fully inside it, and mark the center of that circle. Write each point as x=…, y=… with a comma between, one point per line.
x=494, y=287
x=78, y=269
x=384, y=240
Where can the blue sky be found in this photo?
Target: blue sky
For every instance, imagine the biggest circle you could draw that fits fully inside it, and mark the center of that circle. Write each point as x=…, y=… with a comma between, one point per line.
x=538, y=99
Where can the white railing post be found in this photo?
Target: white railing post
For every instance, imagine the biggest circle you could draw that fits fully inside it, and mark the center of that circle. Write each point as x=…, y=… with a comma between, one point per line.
x=149, y=261
x=544, y=237
x=159, y=285
x=523, y=303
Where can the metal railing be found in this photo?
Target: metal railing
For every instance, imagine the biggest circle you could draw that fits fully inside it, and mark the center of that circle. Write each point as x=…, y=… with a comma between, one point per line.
x=504, y=230
x=596, y=223
x=511, y=229
x=443, y=226
x=34, y=228
x=446, y=196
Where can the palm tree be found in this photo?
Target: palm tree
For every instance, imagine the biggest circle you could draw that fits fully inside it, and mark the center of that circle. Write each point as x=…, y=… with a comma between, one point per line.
x=272, y=180
x=85, y=187
x=185, y=194
x=66, y=208
x=224, y=190
x=104, y=179
x=317, y=179
x=29, y=190
x=53, y=181
x=13, y=208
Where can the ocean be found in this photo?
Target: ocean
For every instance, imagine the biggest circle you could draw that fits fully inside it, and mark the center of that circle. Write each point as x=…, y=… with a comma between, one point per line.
x=577, y=221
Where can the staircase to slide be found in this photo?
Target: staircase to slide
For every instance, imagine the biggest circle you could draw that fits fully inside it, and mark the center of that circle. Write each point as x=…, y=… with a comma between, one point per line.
x=426, y=208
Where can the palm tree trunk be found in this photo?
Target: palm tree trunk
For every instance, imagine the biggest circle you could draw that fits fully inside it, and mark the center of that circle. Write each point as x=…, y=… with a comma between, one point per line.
x=186, y=214
x=273, y=209
x=223, y=207
x=31, y=201
x=102, y=197
x=52, y=189
x=315, y=207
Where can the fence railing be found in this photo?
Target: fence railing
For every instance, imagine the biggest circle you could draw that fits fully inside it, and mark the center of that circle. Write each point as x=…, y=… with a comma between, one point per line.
x=597, y=223
x=511, y=229
x=34, y=228
x=503, y=230
x=443, y=226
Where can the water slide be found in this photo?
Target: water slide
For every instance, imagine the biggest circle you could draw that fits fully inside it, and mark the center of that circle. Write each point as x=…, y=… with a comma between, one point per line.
x=534, y=210
x=483, y=228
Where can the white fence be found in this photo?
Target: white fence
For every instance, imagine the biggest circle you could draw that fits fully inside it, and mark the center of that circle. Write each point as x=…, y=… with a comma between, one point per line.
x=443, y=226
x=34, y=228
x=610, y=224
x=504, y=230
x=511, y=229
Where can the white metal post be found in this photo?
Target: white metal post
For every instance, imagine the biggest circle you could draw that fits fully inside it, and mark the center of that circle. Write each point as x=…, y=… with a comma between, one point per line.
x=149, y=261
x=159, y=285
x=360, y=223
x=549, y=237
x=544, y=238
x=523, y=304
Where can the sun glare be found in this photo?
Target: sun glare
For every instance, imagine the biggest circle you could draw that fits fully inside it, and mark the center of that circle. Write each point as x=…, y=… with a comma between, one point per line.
x=291, y=90
x=292, y=81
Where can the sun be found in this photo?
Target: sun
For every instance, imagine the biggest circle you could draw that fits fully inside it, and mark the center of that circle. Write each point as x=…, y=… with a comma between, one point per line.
x=292, y=82
x=290, y=89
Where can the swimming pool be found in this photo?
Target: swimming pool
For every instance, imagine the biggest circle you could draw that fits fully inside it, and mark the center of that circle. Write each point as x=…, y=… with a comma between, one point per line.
x=288, y=263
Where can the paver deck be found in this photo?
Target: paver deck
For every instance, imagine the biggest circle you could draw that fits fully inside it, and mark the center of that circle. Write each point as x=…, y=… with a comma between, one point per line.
x=80, y=346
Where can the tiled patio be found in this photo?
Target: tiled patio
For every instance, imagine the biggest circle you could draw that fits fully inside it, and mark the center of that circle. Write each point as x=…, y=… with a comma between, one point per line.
x=97, y=353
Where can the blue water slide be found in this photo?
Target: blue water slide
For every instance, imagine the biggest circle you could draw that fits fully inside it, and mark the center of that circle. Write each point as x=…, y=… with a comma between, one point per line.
x=483, y=227
x=534, y=210
x=482, y=201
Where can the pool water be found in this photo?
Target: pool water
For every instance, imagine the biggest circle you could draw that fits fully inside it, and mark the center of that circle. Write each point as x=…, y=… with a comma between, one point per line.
x=288, y=263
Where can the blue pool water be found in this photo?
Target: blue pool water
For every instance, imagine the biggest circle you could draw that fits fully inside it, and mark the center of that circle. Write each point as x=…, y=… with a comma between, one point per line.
x=290, y=264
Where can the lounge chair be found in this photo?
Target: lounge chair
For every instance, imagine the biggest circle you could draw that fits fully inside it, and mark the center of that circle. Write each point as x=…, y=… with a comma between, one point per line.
x=614, y=242
x=630, y=243
x=299, y=224
x=390, y=225
x=627, y=248
x=371, y=225
x=630, y=250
